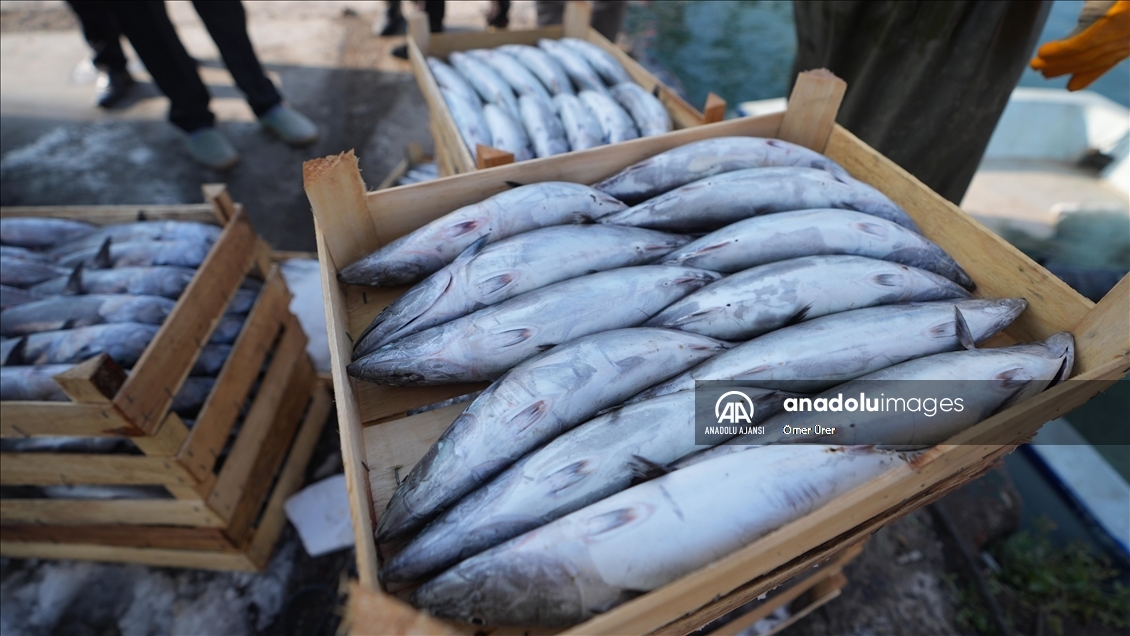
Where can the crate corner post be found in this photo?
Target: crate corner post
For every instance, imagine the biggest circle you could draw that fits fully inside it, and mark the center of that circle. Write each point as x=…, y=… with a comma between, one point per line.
x=576, y=19
x=714, y=110
x=488, y=157
x=337, y=196
x=812, y=108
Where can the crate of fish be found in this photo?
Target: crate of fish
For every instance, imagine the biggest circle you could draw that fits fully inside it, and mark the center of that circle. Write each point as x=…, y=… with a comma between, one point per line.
x=572, y=484
x=507, y=96
x=157, y=400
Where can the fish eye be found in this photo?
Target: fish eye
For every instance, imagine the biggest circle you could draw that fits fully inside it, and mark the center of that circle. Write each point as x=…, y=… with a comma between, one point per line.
x=478, y=620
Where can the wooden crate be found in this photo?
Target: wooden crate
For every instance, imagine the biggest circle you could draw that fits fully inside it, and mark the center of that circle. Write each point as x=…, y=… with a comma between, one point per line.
x=452, y=154
x=379, y=443
x=216, y=516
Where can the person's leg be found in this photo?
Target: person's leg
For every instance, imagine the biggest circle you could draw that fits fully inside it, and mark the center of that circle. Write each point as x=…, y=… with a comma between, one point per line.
x=500, y=14
x=394, y=19
x=435, y=10
x=608, y=17
x=550, y=12
x=102, y=34
x=226, y=22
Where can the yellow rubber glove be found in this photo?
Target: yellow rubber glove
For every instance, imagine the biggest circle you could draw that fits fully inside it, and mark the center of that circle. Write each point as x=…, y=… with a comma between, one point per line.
x=1101, y=40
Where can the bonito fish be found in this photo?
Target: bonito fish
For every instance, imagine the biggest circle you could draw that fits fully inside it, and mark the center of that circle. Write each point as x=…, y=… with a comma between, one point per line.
x=580, y=467
x=450, y=79
x=823, y=352
x=484, y=345
x=614, y=121
x=777, y=237
x=576, y=67
x=581, y=127
x=166, y=281
x=424, y=251
x=14, y=297
x=534, y=403
x=142, y=231
x=678, y=167
x=11, y=251
x=649, y=114
x=41, y=231
x=542, y=65
x=767, y=297
x=486, y=275
x=469, y=119
x=32, y=383
x=62, y=312
x=486, y=82
x=124, y=342
x=507, y=133
x=22, y=273
x=546, y=133
x=140, y=254
x=606, y=66
x=647, y=536
x=520, y=79
x=718, y=201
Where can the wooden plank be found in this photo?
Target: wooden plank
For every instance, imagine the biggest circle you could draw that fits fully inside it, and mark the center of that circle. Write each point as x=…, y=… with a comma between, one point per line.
x=113, y=214
x=217, y=196
x=378, y=402
x=443, y=44
x=575, y=19
x=715, y=109
x=222, y=407
x=32, y=419
x=448, y=142
x=398, y=171
x=1103, y=335
x=487, y=157
x=166, y=441
x=824, y=592
x=372, y=612
x=1000, y=269
x=334, y=183
x=148, y=392
x=198, y=559
x=813, y=105
x=393, y=448
x=289, y=359
x=348, y=416
x=78, y=468
x=150, y=512
x=170, y=537
x=95, y=381
x=419, y=31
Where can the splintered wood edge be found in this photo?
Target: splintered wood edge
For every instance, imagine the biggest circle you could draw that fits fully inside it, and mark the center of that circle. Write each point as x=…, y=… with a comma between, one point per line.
x=95, y=381
x=313, y=169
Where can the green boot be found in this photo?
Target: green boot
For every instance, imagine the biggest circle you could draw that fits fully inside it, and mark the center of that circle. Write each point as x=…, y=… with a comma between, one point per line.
x=209, y=147
x=289, y=125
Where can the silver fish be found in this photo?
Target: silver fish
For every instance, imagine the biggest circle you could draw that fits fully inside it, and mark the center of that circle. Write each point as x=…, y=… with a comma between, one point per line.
x=606, y=66
x=10, y=349
x=192, y=395
x=697, y=160
x=35, y=383
x=823, y=352
x=89, y=492
x=486, y=82
x=140, y=254
x=507, y=133
x=211, y=360
x=597, y=459
x=227, y=329
x=18, y=272
x=484, y=345
x=714, y=202
x=520, y=79
x=424, y=251
x=646, y=110
x=22, y=253
x=450, y=79
x=546, y=133
x=614, y=121
x=576, y=67
x=14, y=296
x=242, y=301
x=41, y=231
x=581, y=128
x=124, y=342
x=64, y=312
x=67, y=444
x=469, y=119
x=647, y=536
x=767, y=297
x=486, y=275
x=142, y=231
x=542, y=65
x=166, y=281
x=777, y=237
x=534, y=403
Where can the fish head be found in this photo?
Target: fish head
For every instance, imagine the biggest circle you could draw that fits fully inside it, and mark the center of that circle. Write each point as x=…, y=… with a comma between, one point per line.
x=418, y=359
x=988, y=317
x=153, y=311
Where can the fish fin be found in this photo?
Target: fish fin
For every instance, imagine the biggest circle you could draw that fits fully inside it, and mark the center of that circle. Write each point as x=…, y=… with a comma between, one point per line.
x=512, y=337
x=566, y=477
x=69, y=324
x=514, y=184
x=17, y=356
x=74, y=282
x=545, y=347
x=874, y=229
x=459, y=229
x=655, y=91
x=494, y=284
x=142, y=216
x=580, y=218
x=644, y=469
x=886, y=280
x=473, y=249
x=529, y=416
x=611, y=520
x=623, y=597
x=102, y=260
x=1064, y=369
x=799, y=316
x=629, y=363
x=961, y=329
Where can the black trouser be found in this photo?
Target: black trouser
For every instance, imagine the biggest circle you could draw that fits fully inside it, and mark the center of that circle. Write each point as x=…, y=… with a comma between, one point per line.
x=435, y=10
x=152, y=35
x=926, y=81
x=102, y=33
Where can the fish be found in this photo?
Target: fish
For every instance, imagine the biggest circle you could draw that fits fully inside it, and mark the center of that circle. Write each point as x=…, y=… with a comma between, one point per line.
x=615, y=122
x=576, y=67
x=139, y=254
x=101, y=492
x=490, y=86
x=40, y=231
x=68, y=444
x=582, y=466
x=486, y=275
x=763, y=298
x=714, y=202
x=507, y=133
x=22, y=253
x=11, y=351
x=546, y=132
x=485, y=344
x=646, y=536
x=227, y=329
x=424, y=251
x=141, y=231
x=32, y=383
x=469, y=119
x=823, y=352
x=242, y=301
x=606, y=66
x=165, y=281
x=534, y=403
x=21, y=273
x=211, y=360
x=581, y=128
x=14, y=296
x=451, y=80
x=647, y=112
x=192, y=395
x=520, y=79
x=777, y=237
x=542, y=65
x=700, y=159
x=124, y=342
x=65, y=312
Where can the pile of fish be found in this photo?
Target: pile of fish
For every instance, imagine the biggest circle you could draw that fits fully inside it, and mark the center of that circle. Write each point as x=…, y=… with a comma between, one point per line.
x=73, y=290
x=427, y=171
x=538, y=101
x=574, y=481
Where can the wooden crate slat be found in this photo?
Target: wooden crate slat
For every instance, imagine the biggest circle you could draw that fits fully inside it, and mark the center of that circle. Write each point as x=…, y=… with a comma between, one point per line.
x=150, y=512
x=32, y=419
x=95, y=469
x=393, y=448
x=198, y=559
x=166, y=441
x=169, y=537
x=1103, y=336
x=113, y=214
